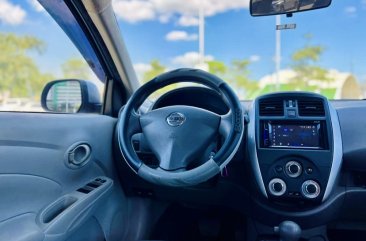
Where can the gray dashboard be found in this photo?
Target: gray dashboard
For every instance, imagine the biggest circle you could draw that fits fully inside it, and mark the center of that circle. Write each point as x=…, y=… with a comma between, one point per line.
x=351, y=114
x=240, y=184
x=352, y=120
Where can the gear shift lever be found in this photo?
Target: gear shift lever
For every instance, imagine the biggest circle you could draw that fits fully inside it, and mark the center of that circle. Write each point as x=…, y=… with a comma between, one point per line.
x=288, y=231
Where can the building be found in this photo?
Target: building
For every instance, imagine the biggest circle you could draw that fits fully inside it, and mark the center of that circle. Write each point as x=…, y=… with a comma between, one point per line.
x=341, y=85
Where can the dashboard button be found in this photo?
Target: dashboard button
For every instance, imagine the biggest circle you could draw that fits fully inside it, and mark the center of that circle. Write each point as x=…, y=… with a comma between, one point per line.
x=277, y=187
x=291, y=113
x=278, y=169
x=309, y=170
x=310, y=189
x=293, y=169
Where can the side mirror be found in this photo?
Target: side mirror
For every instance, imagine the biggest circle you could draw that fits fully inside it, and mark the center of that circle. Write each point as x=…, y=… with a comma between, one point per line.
x=71, y=96
x=275, y=7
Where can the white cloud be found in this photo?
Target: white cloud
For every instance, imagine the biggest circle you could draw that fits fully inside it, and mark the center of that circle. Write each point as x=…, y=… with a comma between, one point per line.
x=254, y=58
x=10, y=13
x=141, y=69
x=189, y=59
x=134, y=11
x=187, y=21
x=180, y=36
x=165, y=18
x=350, y=10
x=191, y=7
x=36, y=5
x=187, y=11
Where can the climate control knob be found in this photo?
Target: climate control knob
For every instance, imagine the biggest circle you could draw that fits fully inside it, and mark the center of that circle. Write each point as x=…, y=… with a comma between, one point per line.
x=277, y=187
x=293, y=169
x=310, y=189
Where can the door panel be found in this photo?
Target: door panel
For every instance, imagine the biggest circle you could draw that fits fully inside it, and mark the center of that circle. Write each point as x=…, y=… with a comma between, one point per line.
x=35, y=175
x=16, y=188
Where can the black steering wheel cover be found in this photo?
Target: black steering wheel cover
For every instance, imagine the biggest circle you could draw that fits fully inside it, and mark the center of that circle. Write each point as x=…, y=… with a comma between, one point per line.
x=230, y=145
x=176, y=76
x=123, y=135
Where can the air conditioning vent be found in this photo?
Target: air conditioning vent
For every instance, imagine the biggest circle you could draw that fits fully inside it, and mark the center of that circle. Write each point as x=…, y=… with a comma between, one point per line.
x=311, y=107
x=271, y=107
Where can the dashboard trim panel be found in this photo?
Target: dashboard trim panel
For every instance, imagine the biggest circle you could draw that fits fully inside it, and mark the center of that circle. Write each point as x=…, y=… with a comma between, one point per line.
x=337, y=151
x=335, y=158
x=252, y=149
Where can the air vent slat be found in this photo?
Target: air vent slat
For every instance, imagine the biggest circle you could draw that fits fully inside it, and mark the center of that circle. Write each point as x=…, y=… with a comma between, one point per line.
x=271, y=107
x=311, y=107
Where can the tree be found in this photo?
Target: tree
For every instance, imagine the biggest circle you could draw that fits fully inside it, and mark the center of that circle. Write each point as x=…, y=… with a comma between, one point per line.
x=156, y=68
x=236, y=74
x=217, y=67
x=76, y=68
x=305, y=64
x=242, y=80
x=19, y=73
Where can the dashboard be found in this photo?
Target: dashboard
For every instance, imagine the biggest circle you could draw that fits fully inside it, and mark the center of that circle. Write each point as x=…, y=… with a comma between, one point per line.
x=293, y=146
x=302, y=158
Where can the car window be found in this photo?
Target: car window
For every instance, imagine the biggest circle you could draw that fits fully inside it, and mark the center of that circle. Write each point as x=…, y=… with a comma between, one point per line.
x=324, y=53
x=35, y=51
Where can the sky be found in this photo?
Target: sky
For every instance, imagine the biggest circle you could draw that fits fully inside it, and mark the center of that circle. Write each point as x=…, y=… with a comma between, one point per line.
x=167, y=30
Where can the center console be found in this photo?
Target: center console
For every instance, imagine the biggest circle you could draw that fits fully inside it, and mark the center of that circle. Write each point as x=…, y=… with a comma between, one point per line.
x=295, y=147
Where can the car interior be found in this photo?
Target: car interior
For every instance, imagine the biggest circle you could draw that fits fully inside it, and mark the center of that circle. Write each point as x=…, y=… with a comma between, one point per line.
x=196, y=163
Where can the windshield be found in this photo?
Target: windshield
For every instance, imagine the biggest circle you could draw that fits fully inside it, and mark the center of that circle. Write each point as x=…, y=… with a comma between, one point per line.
x=325, y=52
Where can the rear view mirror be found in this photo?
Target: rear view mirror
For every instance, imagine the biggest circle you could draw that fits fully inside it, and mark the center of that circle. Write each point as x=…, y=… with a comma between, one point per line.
x=71, y=96
x=275, y=7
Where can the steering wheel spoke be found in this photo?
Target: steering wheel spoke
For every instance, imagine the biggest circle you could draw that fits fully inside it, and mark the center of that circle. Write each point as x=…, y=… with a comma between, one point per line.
x=226, y=124
x=134, y=125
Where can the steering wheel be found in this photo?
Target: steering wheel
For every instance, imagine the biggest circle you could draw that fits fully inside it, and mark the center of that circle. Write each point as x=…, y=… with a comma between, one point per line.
x=180, y=134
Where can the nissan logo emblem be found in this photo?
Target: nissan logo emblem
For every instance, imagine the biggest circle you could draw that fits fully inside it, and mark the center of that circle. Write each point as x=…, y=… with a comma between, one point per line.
x=175, y=119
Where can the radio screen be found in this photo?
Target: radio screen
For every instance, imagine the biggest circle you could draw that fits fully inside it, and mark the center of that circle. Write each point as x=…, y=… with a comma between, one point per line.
x=294, y=135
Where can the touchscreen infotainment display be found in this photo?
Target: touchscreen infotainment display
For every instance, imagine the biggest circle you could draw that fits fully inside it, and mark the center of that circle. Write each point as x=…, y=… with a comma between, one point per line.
x=293, y=135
